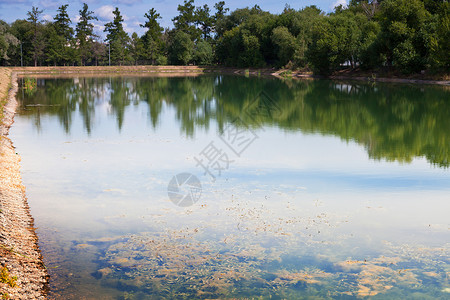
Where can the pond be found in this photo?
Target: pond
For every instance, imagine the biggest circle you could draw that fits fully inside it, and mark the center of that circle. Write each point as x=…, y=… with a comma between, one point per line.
x=221, y=186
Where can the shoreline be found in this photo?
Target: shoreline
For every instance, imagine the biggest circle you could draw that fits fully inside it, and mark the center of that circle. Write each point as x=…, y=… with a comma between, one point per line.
x=24, y=274
x=198, y=70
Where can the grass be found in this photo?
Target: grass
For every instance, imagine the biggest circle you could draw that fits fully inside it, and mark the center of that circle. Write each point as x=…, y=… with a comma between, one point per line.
x=286, y=74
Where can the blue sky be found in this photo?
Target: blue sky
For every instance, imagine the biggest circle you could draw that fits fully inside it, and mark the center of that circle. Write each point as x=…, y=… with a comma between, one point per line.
x=134, y=10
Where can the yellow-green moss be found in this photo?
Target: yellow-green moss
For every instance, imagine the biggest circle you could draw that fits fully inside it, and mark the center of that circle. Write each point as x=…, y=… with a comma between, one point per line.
x=5, y=277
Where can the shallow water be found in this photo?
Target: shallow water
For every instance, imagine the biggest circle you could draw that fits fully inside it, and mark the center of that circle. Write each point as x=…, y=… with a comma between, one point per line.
x=318, y=188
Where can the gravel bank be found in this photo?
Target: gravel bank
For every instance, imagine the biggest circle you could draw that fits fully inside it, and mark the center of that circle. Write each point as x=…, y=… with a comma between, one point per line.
x=22, y=274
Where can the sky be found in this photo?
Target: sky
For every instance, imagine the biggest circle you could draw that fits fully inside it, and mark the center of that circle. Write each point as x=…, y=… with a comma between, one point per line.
x=133, y=10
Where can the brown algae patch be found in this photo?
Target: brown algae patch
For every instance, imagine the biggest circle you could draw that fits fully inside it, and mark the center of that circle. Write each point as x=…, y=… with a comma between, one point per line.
x=182, y=263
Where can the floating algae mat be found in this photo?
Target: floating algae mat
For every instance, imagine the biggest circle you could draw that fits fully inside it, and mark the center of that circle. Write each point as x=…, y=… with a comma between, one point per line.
x=232, y=187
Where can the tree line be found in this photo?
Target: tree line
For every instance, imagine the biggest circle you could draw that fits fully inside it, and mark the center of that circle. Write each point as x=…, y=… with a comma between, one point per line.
x=405, y=35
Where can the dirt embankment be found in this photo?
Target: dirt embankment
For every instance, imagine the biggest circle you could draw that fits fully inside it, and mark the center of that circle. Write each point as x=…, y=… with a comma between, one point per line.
x=172, y=71
x=163, y=71
x=22, y=273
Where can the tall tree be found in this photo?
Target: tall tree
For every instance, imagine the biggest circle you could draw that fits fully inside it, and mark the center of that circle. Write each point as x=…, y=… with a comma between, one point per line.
x=185, y=21
x=136, y=48
x=117, y=38
x=204, y=21
x=219, y=17
x=60, y=37
x=152, y=39
x=62, y=23
x=85, y=33
x=55, y=46
x=38, y=42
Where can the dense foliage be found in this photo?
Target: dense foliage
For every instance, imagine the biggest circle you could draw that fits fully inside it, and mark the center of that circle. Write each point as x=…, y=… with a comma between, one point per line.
x=404, y=35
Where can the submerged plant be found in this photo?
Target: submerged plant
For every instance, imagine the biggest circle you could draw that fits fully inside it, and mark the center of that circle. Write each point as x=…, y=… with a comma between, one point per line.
x=29, y=85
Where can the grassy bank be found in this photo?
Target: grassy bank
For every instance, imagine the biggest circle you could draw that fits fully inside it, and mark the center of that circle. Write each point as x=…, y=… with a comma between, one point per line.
x=5, y=85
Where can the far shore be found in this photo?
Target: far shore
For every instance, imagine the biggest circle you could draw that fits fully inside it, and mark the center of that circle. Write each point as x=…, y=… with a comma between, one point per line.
x=175, y=71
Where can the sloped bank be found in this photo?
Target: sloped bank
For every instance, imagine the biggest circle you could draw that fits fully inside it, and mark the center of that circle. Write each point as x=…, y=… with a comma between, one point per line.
x=22, y=274
x=172, y=71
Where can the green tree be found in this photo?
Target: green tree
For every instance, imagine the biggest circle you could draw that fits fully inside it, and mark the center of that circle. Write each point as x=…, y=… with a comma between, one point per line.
x=62, y=23
x=136, y=48
x=204, y=20
x=439, y=41
x=61, y=40
x=23, y=31
x=400, y=39
x=38, y=42
x=322, y=53
x=7, y=41
x=56, y=44
x=181, y=48
x=85, y=33
x=286, y=44
x=302, y=26
x=117, y=38
x=152, y=39
x=219, y=18
x=203, y=53
x=336, y=40
x=185, y=21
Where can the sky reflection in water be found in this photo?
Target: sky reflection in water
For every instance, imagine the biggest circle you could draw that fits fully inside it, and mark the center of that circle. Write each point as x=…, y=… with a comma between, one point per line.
x=343, y=194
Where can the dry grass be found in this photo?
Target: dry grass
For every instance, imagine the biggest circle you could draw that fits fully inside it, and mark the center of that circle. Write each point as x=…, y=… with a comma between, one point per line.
x=5, y=84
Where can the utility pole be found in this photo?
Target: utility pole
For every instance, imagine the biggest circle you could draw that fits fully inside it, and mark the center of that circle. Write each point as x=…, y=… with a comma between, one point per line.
x=21, y=55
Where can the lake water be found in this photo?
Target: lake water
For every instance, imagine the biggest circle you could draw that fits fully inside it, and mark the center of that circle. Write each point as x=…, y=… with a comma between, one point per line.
x=305, y=188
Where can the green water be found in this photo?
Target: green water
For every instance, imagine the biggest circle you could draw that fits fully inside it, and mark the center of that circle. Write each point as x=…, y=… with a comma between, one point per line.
x=322, y=189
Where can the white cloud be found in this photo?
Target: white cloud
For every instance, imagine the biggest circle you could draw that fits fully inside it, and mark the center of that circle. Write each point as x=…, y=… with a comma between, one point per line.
x=104, y=13
x=47, y=18
x=339, y=2
x=75, y=19
x=99, y=30
x=127, y=29
x=49, y=3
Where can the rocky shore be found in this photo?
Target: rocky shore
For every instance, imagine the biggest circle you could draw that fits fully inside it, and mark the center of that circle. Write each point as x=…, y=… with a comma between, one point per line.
x=22, y=272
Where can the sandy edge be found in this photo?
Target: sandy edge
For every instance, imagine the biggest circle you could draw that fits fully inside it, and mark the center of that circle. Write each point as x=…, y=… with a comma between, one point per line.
x=19, y=249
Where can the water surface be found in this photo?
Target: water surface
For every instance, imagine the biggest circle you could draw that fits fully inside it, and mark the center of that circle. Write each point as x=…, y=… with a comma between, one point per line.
x=334, y=190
